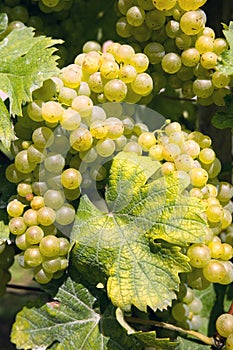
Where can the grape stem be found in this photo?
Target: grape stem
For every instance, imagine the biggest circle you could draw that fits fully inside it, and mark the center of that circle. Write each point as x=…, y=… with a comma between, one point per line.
x=200, y=336
x=177, y=98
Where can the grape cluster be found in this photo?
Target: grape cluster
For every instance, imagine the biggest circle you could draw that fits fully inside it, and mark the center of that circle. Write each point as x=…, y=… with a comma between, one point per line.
x=182, y=50
x=187, y=308
x=224, y=327
x=7, y=253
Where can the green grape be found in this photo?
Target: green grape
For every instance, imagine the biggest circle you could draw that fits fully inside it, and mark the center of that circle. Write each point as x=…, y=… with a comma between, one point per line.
x=146, y=140
x=133, y=147
x=34, y=234
x=171, y=63
x=91, y=62
x=98, y=174
x=105, y=147
x=145, y=4
x=81, y=139
x=183, y=41
x=32, y=256
x=180, y=311
x=140, y=62
x=225, y=191
x=54, y=162
x=83, y=89
x=155, y=19
x=172, y=29
x=224, y=325
x=197, y=280
x=23, y=164
x=127, y=73
x=66, y=95
x=96, y=82
x=115, y=90
x=188, y=5
x=30, y=217
x=37, y=202
x=156, y=152
x=64, y=246
x=143, y=84
x=184, y=162
x=61, y=143
x=209, y=60
x=192, y=22
x=203, y=87
x=155, y=52
x=188, y=296
x=91, y=46
x=170, y=151
x=41, y=276
x=51, y=265
x=71, y=178
x=23, y=189
x=229, y=342
x=220, y=45
x=71, y=76
x=162, y=5
x=115, y=128
x=198, y=177
x=135, y=16
x=98, y=113
x=65, y=215
x=42, y=137
x=196, y=306
x=49, y=246
x=52, y=111
x=109, y=70
x=214, y=271
x=199, y=255
x=204, y=44
x=124, y=53
x=214, y=213
x=98, y=129
x=15, y=208
x=141, y=33
x=190, y=57
x=207, y=156
x=123, y=28
x=34, y=110
x=17, y=225
x=54, y=199
x=195, y=322
x=46, y=216
x=83, y=105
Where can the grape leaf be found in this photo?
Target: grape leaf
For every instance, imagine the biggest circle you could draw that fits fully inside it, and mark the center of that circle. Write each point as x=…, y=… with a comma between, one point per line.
x=129, y=244
x=224, y=119
x=6, y=129
x=190, y=344
x=70, y=321
x=25, y=62
x=225, y=64
x=4, y=228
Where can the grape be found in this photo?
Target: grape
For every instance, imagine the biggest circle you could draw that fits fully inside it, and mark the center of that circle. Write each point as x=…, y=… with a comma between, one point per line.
x=142, y=84
x=229, y=342
x=155, y=19
x=164, y=5
x=123, y=28
x=192, y=22
x=220, y=45
x=204, y=44
x=209, y=60
x=191, y=5
x=91, y=62
x=124, y=53
x=36, y=203
x=54, y=162
x=42, y=137
x=81, y=139
x=23, y=164
x=127, y=73
x=115, y=90
x=64, y=246
x=17, y=225
x=42, y=277
x=195, y=306
x=190, y=57
x=71, y=76
x=51, y=265
x=49, y=246
x=155, y=52
x=140, y=62
x=34, y=234
x=180, y=311
x=199, y=255
x=133, y=147
x=224, y=324
x=51, y=111
x=214, y=271
x=71, y=178
x=65, y=215
x=54, y=199
x=207, y=156
x=32, y=256
x=135, y=16
x=83, y=105
x=171, y=63
x=15, y=208
x=105, y=147
x=46, y=216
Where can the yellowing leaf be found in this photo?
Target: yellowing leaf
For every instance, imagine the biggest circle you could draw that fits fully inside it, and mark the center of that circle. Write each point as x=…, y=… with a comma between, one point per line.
x=136, y=245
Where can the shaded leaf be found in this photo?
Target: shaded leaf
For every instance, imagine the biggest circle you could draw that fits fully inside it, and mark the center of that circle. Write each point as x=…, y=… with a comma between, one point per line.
x=191, y=344
x=6, y=128
x=120, y=244
x=72, y=320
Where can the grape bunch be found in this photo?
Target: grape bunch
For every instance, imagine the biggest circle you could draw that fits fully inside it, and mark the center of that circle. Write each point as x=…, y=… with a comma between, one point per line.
x=7, y=254
x=182, y=50
x=224, y=327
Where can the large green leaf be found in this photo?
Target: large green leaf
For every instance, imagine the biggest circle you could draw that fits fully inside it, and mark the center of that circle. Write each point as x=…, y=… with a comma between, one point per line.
x=72, y=320
x=133, y=245
x=25, y=62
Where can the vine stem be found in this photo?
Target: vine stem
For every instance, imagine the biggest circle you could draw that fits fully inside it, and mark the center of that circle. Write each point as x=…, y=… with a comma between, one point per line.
x=28, y=288
x=230, y=311
x=200, y=336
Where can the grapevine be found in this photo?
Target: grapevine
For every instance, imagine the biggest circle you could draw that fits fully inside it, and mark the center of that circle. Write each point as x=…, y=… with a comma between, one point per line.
x=119, y=212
